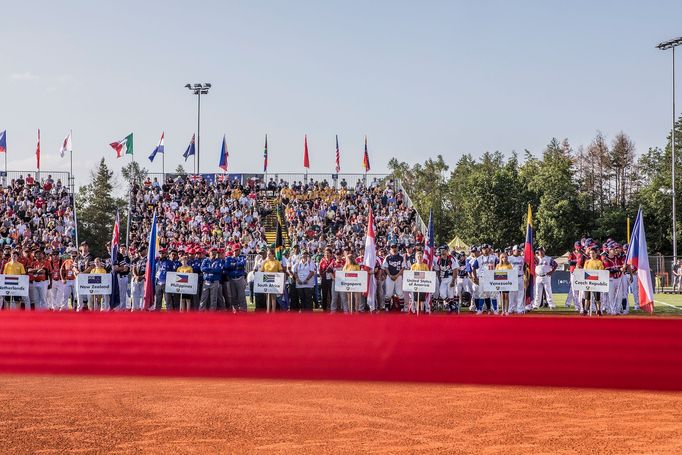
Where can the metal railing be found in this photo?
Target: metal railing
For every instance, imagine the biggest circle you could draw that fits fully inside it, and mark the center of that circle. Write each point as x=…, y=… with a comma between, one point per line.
x=7, y=176
x=288, y=177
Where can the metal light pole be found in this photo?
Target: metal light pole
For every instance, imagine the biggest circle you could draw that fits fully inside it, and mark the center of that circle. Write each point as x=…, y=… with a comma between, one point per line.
x=665, y=45
x=198, y=90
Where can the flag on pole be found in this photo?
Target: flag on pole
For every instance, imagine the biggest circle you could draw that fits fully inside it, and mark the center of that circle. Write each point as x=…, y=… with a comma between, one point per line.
x=370, y=260
x=150, y=270
x=338, y=156
x=638, y=257
x=158, y=148
x=365, y=158
x=529, y=258
x=429, y=249
x=38, y=151
x=265, y=155
x=3, y=141
x=115, y=292
x=306, y=159
x=66, y=146
x=223, y=155
x=279, y=241
x=124, y=147
x=190, y=149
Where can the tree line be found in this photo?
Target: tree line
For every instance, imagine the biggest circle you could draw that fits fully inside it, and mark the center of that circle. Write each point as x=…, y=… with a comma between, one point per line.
x=574, y=192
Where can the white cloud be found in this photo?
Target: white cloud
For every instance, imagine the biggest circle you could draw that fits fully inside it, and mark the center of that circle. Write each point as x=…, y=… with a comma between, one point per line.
x=25, y=76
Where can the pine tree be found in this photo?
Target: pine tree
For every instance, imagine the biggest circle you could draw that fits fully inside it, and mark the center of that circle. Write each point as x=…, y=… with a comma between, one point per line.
x=96, y=207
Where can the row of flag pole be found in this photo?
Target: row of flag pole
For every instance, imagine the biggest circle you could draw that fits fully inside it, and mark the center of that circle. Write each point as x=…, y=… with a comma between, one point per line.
x=126, y=147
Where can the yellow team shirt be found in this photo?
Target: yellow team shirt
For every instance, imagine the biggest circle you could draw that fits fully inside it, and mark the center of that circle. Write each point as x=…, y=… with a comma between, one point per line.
x=593, y=264
x=98, y=271
x=351, y=268
x=504, y=267
x=271, y=265
x=185, y=269
x=14, y=269
x=420, y=267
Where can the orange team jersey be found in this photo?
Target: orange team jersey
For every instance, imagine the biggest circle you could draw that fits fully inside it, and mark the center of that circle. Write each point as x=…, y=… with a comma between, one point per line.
x=271, y=265
x=594, y=264
x=14, y=268
x=185, y=269
x=67, y=270
x=39, y=276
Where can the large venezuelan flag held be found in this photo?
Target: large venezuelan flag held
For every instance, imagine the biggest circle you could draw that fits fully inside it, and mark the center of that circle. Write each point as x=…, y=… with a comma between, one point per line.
x=638, y=257
x=150, y=270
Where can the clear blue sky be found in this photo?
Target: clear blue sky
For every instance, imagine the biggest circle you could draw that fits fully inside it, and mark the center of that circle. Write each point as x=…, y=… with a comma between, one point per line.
x=419, y=78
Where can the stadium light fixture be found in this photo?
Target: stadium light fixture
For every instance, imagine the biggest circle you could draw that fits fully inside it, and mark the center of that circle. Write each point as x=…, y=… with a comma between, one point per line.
x=198, y=89
x=664, y=46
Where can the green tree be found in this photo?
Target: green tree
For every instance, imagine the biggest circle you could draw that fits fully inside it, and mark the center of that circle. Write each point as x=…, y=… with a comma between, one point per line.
x=558, y=214
x=97, y=208
x=134, y=173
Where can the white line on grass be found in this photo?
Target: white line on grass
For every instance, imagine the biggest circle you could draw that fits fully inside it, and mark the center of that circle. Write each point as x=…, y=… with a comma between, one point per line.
x=667, y=304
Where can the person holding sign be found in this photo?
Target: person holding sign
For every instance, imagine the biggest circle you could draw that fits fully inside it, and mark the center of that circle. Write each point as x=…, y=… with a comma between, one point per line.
x=98, y=302
x=185, y=302
x=271, y=265
x=352, y=298
x=420, y=266
x=14, y=267
x=504, y=295
x=593, y=297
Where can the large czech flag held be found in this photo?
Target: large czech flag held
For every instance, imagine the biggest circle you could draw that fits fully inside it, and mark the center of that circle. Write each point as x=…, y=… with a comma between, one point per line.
x=529, y=259
x=638, y=257
x=150, y=270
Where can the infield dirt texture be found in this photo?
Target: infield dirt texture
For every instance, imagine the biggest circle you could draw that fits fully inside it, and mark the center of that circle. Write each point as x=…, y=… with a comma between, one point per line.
x=67, y=414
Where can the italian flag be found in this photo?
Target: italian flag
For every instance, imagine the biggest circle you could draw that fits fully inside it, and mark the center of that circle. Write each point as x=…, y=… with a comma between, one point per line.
x=124, y=147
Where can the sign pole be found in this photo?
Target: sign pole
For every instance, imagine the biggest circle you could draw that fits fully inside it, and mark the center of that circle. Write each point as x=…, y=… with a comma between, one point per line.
x=418, y=303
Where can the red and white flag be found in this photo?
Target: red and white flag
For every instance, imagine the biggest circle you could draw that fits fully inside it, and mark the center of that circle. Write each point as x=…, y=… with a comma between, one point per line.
x=66, y=146
x=338, y=155
x=370, y=260
x=306, y=159
x=638, y=257
x=38, y=151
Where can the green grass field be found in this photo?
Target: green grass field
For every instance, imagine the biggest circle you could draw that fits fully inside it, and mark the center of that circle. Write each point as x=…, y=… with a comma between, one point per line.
x=664, y=305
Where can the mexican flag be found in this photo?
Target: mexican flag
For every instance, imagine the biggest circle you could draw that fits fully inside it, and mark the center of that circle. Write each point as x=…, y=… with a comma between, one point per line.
x=124, y=147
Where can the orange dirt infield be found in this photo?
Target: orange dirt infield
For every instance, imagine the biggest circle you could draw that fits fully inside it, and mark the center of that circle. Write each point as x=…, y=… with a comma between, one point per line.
x=64, y=414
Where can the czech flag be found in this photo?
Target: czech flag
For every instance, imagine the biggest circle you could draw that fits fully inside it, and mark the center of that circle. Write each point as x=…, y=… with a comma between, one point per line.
x=529, y=258
x=638, y=257
x=150, y=271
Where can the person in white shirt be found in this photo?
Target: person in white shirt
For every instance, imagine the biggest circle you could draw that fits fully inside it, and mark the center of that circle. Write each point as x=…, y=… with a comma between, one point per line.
x=544, y=267
x=517, y=299
x=304, y=274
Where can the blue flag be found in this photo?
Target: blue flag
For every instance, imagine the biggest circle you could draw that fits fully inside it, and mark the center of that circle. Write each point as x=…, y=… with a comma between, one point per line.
x=3, y=142
x=190, y=149
x=223, y=155
x=158, y=149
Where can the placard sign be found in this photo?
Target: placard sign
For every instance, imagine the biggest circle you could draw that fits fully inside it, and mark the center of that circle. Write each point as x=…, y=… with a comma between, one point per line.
x=590, y=280
x=268, y=283
x=416, y=281
x=499, y=280
x=94, y=283
x=351, y=281
x=14, y=285
x=182, y=283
